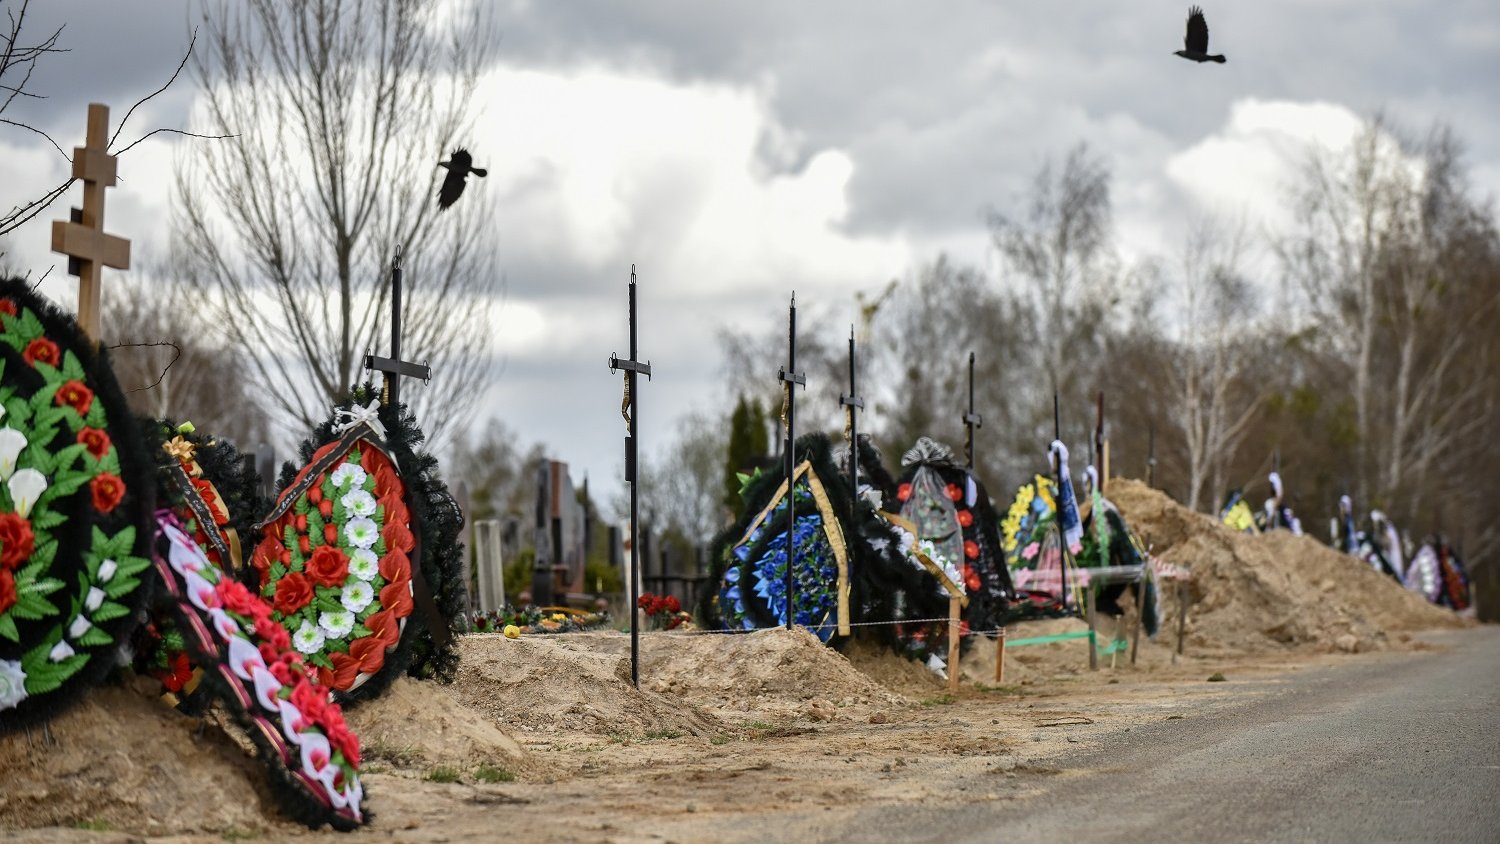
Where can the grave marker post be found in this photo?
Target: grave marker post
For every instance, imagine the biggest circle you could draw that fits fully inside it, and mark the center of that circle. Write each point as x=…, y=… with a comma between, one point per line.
x=629, y=408
x=790, y=378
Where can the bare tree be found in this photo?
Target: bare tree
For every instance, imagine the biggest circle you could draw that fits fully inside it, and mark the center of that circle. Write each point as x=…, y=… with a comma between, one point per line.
x=341, y=111
x=1212, y=398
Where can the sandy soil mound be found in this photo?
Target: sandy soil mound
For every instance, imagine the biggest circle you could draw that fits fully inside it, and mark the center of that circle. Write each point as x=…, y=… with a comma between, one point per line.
x=1253, y=592
x=423, y=725
x=577, y=682
x=123, y=761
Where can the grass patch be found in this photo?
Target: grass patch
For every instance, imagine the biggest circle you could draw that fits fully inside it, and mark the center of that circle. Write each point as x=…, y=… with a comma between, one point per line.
x=234, y=833
x=490, y=773
x=94, y=825
x=442, y=773
x=940, y=700
x=720, y=740
x=401, y=757
x=621, y=738
x=761, y=726
x=652, y=735
x=1217, y=677
x=1007, y=689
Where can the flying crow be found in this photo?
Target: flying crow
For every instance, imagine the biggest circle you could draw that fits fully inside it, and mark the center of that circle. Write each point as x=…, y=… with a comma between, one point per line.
x=1196, y=42
x=459, y=165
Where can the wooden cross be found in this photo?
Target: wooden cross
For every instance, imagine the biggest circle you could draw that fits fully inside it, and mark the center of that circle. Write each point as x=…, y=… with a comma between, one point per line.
x=790, y=379
x=82, y=238
x=632, y=367
x=394, y=367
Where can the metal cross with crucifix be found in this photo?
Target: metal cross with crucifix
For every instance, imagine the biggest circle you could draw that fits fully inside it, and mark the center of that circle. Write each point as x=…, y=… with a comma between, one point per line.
x=82, y=238
x=629, y=408
x=972, y=420
x=852, y=404
x=790, y=378
x=394, y=367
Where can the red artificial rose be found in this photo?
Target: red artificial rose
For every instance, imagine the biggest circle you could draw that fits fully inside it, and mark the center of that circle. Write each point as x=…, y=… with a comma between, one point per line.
x=328, y=566
x=95, y=440
x=273, y=634
x=971, y=549
x=965, y=518
x=300, y=523
x=382, y=626
x=236, y=598
x=370, y=652
x=396, y=597
x=41, y=349
x=7, y=590
x=8, y=306
x=16, y=541
x=304, y=545
x=310, y=700
x=107, y=490
x=283, y=673
x=315, y=496
x=347, y=743
x=345, y=670
x=672, y=605
x=293, y=593
x=325, y=508
x=268, y=652
x=74, y=394
x=954, y=493
x=330, y=533
x=903, y=492
x=971, y=578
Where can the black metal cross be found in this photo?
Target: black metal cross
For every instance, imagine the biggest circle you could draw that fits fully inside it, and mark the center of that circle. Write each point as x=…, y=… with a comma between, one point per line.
x=629, y=408
x=394, y=367
x=972, y=420
x=790, y=379
x=854, y=404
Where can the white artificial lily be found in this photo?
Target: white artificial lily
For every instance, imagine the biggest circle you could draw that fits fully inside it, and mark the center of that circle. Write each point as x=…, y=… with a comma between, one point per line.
x=12, y=684
x=26, y=486
x=11, y=443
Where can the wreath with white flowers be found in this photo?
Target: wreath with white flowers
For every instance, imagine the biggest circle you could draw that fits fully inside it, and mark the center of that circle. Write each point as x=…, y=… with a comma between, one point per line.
x=335, y=560
x=267, y=683
x=73, y=485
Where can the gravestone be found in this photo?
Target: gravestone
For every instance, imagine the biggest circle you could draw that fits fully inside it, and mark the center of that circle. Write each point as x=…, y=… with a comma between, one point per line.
x=490, y=563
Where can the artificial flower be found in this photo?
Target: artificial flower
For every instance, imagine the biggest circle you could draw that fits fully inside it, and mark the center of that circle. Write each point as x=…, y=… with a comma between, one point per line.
x=11, y=444
x=26, y=486
x=316, y=754
x=41, y=350
x=357, y=595
x=292, y=594
x=345, y=672
x=328, y=566
x=370, y=652
x=397, y=535
x=200, y=592
x=272, y=634
x=8, y=306
x=93, y=599
x=266, y=687
x=60, y=652
x=903, y=492
x=310, y=700
x=244, y=657
x=954, y=492
x=236, y=598
x=396, y=597
x=363, y=564
x=308, y=639
x=96, y=440
x=361, y=532
x=357, y=502
x=7, y=591
x=382, y=625
x=16, y=541
x=12, y=684
x=107, y=491
x=74, y=394
x=348, y=475
x=971, y=549
x=107, y=571
x=336, y=624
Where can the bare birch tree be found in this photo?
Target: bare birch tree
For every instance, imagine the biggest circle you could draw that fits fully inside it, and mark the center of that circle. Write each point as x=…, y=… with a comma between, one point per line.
x=341, y=110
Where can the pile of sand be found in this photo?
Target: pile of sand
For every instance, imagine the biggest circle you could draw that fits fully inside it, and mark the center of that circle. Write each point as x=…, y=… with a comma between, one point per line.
x=423, y=725
x=574, y=683
x=1249, y=593
x=120, y=760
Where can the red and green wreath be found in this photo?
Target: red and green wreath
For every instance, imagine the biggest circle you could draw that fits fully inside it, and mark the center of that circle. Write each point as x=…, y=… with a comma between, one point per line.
x=335, y=561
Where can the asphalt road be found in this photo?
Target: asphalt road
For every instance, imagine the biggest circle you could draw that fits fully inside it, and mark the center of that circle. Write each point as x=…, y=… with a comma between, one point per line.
x=1400, y=747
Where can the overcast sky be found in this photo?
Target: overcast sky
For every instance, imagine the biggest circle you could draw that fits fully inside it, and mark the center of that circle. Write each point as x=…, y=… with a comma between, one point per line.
x=735, y=152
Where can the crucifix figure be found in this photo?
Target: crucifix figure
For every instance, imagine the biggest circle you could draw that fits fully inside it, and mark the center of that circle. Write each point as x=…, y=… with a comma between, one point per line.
x=82, y=238
x=629, y=409
x=394, y=367
x=790, y=378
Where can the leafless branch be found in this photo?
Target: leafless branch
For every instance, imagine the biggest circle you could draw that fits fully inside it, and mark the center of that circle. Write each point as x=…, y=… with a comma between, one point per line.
x=176, y=354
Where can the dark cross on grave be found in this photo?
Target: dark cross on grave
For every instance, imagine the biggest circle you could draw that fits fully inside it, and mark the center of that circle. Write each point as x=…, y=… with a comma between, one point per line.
x=394, y=367
x=82, y=238
x=852, y=404
x=790, y=378
x=972, y=420
x=1101, y=466
x=629, y=408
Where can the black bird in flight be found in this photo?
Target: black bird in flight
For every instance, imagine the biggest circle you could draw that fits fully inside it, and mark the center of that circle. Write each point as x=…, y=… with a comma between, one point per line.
x=1196, y=42
x=459, y=165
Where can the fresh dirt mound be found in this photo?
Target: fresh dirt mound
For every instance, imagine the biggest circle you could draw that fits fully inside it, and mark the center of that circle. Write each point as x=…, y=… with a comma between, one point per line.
x=423, y=725
x=120, y=760
x=1249, y=593
x=893, y=671
x=776, y=672
x=579, y=682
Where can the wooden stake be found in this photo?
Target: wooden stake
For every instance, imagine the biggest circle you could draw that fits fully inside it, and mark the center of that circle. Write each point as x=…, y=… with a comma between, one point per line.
x=1181, y=617
x=1000, y=658
x=1093, y=647
x=953, y=651
x=1140, y=614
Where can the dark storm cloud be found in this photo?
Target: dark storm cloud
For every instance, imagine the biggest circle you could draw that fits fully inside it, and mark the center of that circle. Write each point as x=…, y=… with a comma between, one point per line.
x=947, y=108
